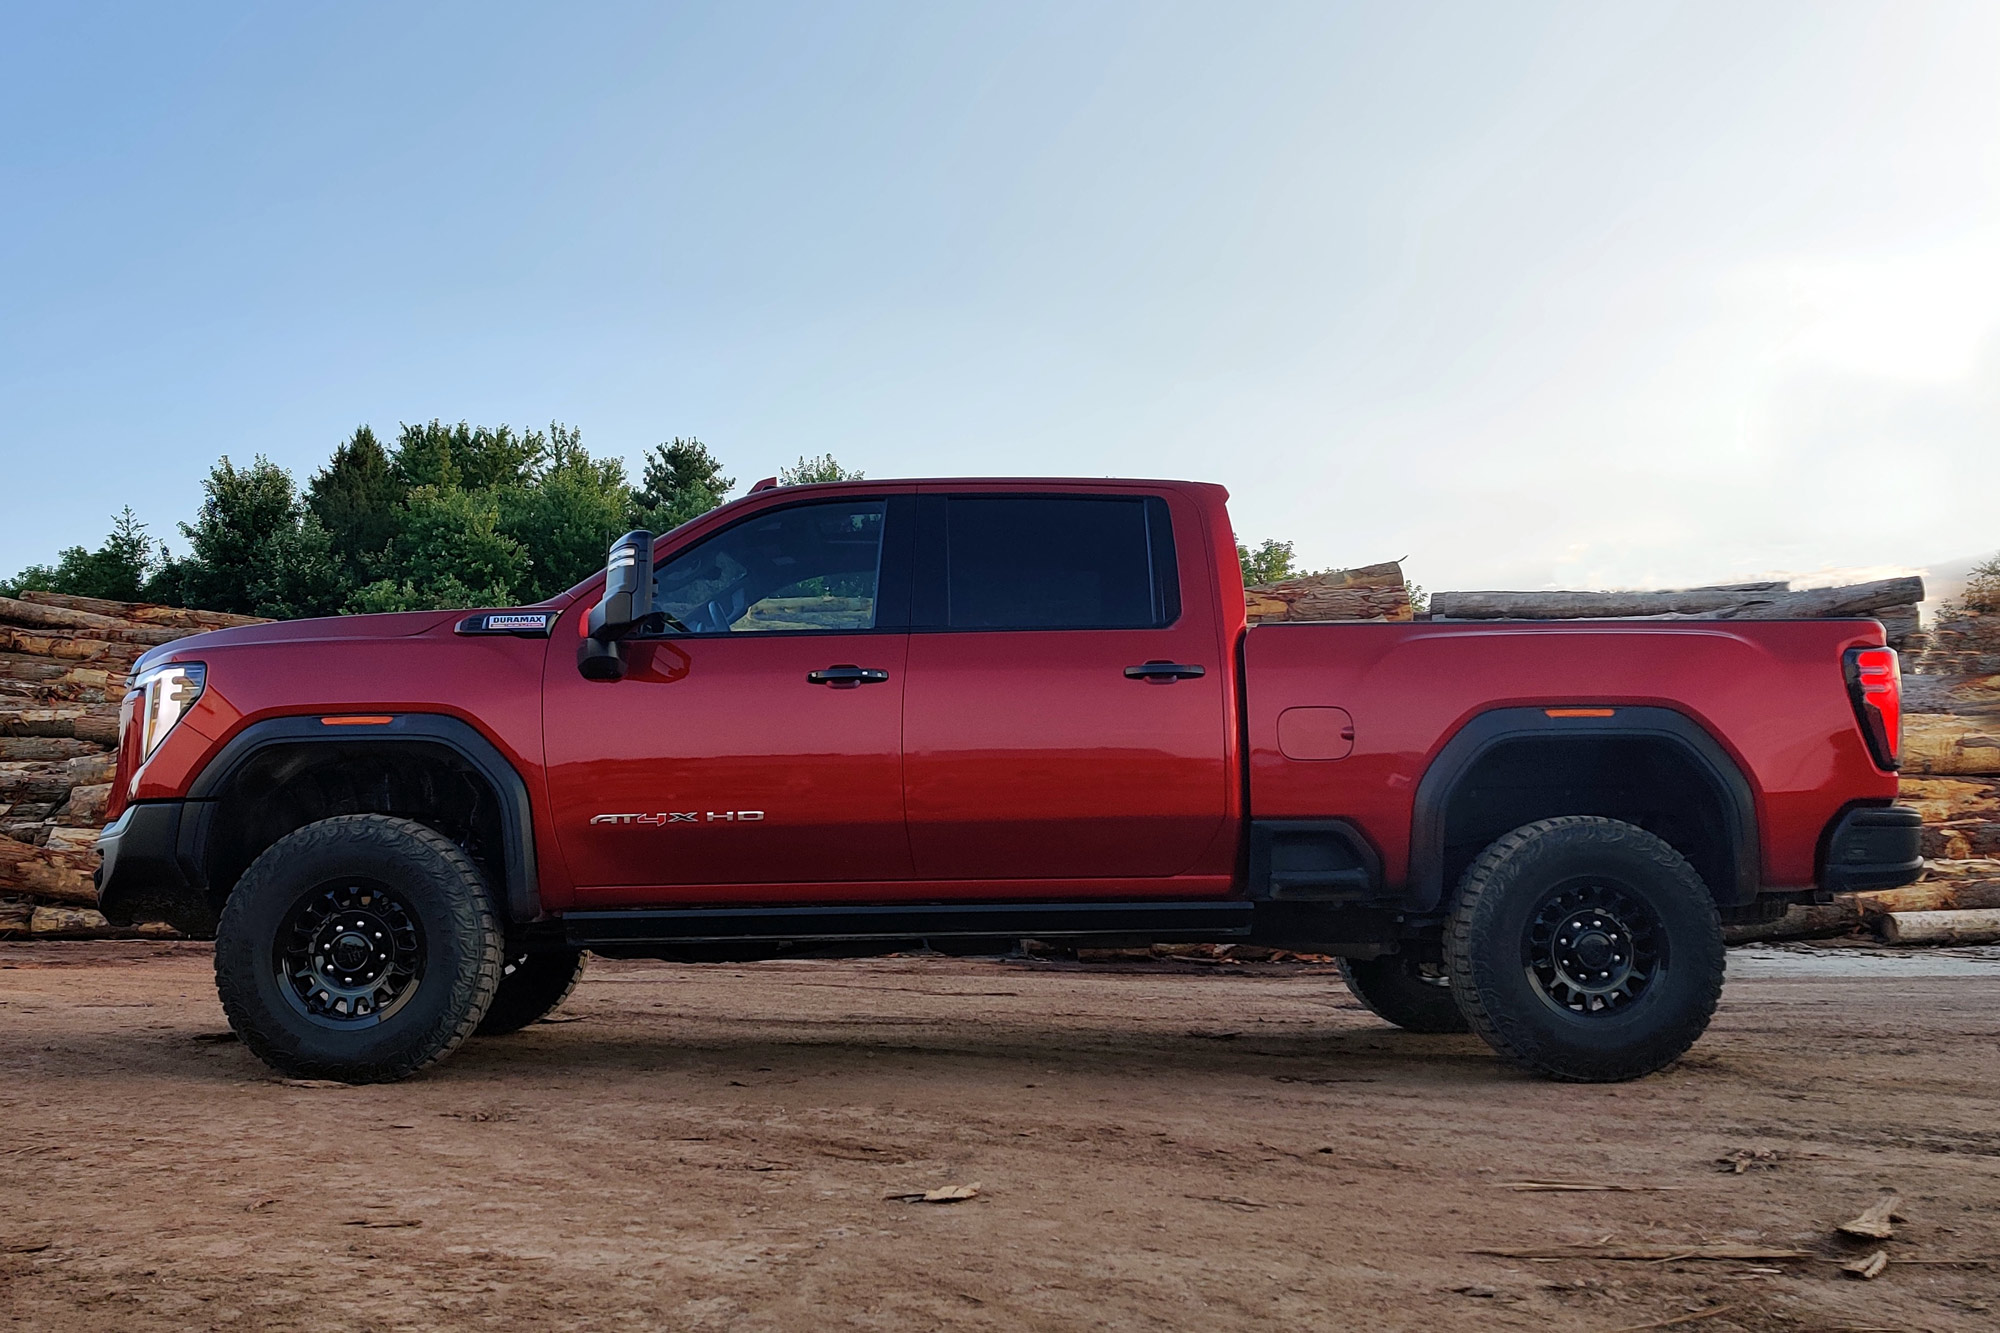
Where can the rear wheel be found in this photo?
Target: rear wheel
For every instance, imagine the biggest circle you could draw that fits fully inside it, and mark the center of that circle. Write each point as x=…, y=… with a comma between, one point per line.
x=1585, y=949
x=531, y=985
x=1414, y=995
x=359, y=948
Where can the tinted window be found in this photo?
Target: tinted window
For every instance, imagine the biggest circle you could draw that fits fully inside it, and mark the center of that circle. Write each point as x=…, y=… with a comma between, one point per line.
x=1049, y=562
x=809, y=567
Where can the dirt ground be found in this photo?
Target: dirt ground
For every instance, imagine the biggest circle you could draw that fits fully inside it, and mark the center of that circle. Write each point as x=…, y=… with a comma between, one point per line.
x=1157, y=1146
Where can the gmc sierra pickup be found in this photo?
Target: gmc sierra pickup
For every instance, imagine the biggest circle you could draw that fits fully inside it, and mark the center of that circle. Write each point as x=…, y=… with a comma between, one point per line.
x=859, y=717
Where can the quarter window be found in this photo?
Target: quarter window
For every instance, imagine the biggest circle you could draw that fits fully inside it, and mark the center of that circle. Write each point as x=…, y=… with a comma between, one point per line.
x=806, y=567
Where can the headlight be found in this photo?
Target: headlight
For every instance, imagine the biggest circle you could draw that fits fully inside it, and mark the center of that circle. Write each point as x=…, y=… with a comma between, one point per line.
x=165, y=696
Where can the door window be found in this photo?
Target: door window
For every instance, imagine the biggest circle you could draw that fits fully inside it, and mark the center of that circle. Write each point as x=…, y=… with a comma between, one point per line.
x=1050, y=562
x=809, y=567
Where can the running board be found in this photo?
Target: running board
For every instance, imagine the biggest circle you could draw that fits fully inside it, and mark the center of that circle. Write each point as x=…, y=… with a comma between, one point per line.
x=1151, y=921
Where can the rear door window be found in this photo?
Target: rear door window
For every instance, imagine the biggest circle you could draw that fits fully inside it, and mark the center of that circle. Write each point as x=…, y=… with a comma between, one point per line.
x=1037, y=562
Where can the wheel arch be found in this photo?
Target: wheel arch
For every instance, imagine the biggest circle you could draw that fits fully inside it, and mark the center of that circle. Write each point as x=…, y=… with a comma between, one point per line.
x=1511, y=766
x=408, y=753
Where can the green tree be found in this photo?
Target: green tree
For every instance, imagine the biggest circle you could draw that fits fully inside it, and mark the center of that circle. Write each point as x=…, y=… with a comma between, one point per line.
x=681, y=480
x=35, y=578
x=473, y=458
x=449, y=553
x=300, y=575
x=809, y=470
x=118, y=569
x=1980, y=595
x=567, y=516
x=356, y=498
x=229, y=539
x=1271, y=562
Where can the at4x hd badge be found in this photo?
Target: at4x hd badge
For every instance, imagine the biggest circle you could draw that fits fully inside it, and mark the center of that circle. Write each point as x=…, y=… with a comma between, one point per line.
x=684, y=817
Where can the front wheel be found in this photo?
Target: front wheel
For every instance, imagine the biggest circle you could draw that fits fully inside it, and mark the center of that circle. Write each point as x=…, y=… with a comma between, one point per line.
x=1585, y=949
x=359, y=948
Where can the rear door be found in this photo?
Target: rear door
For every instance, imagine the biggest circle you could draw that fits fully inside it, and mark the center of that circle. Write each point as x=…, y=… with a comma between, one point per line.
x=1064, y=724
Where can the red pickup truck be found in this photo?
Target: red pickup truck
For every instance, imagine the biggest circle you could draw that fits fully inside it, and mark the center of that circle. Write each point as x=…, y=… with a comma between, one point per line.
x=867, y=716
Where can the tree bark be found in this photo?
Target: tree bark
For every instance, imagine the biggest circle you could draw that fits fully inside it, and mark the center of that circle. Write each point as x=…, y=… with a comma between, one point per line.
x=86, y=806
x=1577, y=605
x=90, y=722
x=100, y=648
x=39, y=872
x=1973, y=926
x=1941, y=743
x=1812, y=604
x=70, y=923
x=35, y=615
x=144, y=613
x=18, y=748
x=1934, y=896
x=34, y=780
x=1373, y=592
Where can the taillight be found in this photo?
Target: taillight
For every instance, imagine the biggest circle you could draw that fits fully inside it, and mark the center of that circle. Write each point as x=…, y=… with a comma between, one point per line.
x=1875, y=684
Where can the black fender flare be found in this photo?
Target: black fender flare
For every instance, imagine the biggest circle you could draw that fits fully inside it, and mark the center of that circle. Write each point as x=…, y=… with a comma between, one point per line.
x=517, y=820
x=1425, y=888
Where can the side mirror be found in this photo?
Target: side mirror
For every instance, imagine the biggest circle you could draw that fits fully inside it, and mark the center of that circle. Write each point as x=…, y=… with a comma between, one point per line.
x=624, y=610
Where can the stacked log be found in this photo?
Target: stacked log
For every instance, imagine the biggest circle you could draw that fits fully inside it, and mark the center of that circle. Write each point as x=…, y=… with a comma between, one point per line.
x=1891, y=601
x=1951, y=736
x=1372, y=592
x=63, y=663
x=1946, y=888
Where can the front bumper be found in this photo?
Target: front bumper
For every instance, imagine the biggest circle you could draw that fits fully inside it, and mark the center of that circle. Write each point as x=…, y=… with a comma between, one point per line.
x=144, y=875
x=1873, y=847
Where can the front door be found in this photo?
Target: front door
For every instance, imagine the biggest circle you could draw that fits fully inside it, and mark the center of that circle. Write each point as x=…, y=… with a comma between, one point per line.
x=758, y=740
x=1045, y=743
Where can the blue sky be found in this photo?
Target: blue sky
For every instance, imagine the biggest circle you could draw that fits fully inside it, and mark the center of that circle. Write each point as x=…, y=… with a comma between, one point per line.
x=1534, y=295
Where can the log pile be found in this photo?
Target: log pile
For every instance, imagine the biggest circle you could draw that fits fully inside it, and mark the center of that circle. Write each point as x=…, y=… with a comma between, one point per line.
x=63, y=663
x=1891, y=601
x=1947, y=889
x=1951, y=736
x=1951, y=773
x=1372, y=592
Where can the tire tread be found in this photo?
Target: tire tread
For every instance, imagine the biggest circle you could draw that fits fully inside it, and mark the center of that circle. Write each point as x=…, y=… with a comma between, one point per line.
x=1485, y=1009
x=470, y=902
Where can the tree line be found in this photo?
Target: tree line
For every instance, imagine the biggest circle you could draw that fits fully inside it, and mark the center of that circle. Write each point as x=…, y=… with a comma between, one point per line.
x=444, y=516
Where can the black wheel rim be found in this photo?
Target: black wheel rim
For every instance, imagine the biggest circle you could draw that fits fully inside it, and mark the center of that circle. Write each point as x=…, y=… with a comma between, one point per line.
x=1594, y=949
x=350, y=954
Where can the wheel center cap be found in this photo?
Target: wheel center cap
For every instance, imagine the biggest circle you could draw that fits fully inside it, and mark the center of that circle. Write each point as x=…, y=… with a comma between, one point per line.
x=1593, y=949
x=351, y=951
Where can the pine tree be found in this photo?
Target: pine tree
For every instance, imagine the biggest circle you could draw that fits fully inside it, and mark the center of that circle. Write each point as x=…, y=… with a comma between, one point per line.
x=355, y=497
x=681, y=480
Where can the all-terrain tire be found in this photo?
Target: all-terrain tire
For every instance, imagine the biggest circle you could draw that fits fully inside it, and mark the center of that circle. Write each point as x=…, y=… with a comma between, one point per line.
x=531, y=985
x=1585, y=949
x=331, y=907
x=1398, y=988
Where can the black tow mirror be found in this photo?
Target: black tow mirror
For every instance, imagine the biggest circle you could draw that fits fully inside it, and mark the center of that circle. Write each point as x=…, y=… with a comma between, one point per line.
x=625, y=609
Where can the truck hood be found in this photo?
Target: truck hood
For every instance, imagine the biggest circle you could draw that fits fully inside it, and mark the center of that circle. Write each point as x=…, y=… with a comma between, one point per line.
x=391, y=625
